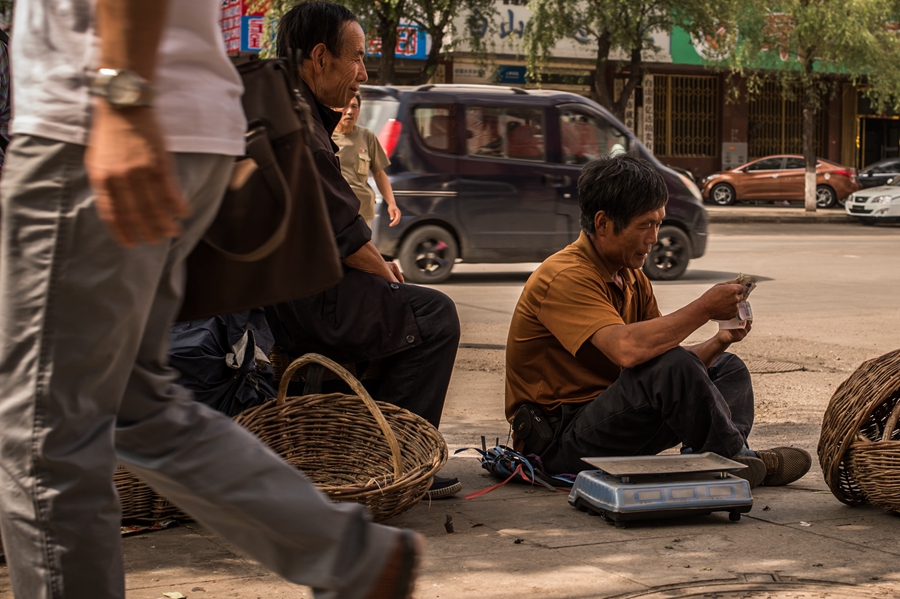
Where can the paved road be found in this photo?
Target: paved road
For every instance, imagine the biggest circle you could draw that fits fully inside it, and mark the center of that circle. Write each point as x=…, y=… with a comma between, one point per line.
x=827, y=301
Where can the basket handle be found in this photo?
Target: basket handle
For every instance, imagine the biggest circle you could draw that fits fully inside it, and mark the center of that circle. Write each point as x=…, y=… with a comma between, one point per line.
x=891, y=423
x=357, y=388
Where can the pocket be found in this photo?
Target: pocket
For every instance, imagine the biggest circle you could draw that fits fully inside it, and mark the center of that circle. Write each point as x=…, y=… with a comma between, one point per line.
x=362, y=165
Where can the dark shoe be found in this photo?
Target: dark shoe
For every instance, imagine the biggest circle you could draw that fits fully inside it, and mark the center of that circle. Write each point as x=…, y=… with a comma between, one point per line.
x=443, y=487
x=398, y=578
x=754, y=473
x=784, y=465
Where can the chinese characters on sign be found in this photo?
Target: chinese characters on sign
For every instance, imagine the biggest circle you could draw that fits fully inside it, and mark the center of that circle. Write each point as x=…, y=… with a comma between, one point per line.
x=242, y=28
x=412, y=43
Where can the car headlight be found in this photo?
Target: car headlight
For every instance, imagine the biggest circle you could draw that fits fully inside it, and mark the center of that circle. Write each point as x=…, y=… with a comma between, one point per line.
x=882, y=200
x=692, y=188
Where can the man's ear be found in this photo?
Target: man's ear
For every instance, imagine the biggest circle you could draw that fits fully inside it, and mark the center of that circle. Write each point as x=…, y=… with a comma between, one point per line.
x=601, y=223
x=317, y=57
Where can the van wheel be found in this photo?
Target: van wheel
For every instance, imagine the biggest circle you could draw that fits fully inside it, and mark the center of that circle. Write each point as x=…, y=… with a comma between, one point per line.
x=669, y=257
x=428, y=254
x=722, y=194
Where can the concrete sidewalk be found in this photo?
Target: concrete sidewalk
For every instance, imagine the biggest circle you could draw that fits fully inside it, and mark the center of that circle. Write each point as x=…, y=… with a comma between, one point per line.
x=750, y=213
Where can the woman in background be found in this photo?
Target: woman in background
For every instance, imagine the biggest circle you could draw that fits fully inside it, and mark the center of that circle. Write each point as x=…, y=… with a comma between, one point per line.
x=359, y=152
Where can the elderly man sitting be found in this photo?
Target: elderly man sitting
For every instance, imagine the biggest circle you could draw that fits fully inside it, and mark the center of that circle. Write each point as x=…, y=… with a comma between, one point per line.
x=371, y=314
x=590, y=351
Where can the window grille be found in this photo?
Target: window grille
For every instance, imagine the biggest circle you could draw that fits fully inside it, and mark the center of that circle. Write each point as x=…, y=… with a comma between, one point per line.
x=686, y=116
x=775, y=120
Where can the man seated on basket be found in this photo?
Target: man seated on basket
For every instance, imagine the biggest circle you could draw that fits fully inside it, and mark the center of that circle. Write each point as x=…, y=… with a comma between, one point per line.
x=371, y=314
x=589, y=349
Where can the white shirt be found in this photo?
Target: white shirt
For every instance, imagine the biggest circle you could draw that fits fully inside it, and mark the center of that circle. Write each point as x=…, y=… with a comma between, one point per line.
x=55, y=51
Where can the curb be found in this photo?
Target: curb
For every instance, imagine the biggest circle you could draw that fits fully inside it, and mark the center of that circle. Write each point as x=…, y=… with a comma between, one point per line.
x=816, y=218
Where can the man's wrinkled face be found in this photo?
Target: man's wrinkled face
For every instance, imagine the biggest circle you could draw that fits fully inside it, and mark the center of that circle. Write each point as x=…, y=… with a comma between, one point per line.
x=343, y=74
x=630, y=246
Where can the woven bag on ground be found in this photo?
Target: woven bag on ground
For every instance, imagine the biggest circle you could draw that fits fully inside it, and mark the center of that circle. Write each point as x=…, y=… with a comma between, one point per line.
x=352, y=447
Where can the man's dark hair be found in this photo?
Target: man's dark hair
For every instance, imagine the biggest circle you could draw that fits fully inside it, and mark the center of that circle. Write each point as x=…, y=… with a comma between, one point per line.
x=311, y=23
x=622, y=186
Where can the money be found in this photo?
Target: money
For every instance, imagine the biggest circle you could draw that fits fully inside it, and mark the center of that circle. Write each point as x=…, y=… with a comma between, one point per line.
x=748, y=282
x=745, y=314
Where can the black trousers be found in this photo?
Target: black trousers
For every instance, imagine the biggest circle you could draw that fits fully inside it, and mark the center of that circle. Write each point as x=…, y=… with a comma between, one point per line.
x=668, y=400
x=413, y=330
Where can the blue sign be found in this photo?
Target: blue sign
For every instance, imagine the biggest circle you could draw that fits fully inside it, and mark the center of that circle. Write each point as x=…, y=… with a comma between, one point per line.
x=510, y=75
x=412, y=43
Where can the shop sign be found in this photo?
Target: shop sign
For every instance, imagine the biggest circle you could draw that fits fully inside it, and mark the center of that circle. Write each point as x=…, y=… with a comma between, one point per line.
x=412, y=43
x=510, y=75
x=242, y=28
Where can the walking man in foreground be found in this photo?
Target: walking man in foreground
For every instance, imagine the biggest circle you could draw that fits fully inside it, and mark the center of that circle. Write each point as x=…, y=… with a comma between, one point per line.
x=103, y=197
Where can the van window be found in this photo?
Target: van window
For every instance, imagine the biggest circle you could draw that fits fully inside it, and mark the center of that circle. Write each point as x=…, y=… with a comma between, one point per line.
x=585, y=138
x=513, y=133
x=375, y=111
x=437, y=127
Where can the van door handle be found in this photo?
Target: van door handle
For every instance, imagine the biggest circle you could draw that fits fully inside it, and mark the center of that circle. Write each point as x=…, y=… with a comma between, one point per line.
x=556, y=180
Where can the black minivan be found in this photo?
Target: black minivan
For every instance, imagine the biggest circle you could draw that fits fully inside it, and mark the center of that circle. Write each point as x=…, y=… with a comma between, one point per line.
x=488, y=174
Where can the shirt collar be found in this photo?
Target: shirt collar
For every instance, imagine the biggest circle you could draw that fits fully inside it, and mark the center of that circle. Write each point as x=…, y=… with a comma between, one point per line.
x=327, y=117
x=584, y=244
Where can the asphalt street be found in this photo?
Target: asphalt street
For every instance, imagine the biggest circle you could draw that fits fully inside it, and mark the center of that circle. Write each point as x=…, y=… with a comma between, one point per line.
x=826, y=301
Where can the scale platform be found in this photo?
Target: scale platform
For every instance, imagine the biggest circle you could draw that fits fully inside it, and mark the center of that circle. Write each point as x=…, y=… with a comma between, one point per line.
x=626, y=489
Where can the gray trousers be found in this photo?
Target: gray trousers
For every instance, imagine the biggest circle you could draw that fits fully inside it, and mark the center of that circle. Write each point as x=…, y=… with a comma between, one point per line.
x=84, y=384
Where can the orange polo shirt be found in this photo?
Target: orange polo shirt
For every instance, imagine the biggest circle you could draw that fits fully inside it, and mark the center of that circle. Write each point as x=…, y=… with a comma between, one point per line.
x=550, y=359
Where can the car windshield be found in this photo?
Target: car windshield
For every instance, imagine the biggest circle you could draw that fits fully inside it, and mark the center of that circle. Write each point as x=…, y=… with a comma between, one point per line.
x=375, y=112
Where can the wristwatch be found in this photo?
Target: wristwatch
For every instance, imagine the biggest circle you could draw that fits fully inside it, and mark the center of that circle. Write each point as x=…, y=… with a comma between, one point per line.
x=122, y=88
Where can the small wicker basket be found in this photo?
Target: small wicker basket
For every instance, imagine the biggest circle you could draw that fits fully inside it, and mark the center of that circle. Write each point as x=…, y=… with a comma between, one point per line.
x=352, y=447
x=859, y=448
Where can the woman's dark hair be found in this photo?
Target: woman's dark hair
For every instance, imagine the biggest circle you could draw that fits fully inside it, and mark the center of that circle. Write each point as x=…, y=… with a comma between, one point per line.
x=310, y=23
x=623, y=187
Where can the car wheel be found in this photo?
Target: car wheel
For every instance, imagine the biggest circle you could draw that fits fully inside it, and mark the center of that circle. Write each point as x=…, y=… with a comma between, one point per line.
x=428, y=255
x=722, y=194
x=825, y=197
x=669, y=257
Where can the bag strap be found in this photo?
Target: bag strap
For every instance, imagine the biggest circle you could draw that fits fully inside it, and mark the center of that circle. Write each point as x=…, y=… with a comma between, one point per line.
x=259, y=148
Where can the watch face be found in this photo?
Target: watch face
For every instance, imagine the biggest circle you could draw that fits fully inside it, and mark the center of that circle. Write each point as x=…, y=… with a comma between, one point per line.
x=124, y=90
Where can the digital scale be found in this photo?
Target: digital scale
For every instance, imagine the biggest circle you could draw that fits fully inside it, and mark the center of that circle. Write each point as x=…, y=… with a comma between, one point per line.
x=632, y=488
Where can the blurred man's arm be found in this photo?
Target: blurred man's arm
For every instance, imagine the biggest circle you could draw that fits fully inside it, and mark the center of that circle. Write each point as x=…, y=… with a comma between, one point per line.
x=633, y=344
x=127, y=162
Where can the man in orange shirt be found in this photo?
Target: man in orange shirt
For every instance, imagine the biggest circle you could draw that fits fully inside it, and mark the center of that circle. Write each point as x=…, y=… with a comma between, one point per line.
x=590, y=351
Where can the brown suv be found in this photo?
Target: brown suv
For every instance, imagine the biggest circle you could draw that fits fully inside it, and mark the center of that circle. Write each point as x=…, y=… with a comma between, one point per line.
x=780, y=178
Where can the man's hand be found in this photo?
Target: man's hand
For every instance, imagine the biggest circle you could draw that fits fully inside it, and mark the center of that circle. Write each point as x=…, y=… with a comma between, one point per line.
x=395, y=270
x=721, y=300
x=395, y=214
x=131, y=173
x=729, y=336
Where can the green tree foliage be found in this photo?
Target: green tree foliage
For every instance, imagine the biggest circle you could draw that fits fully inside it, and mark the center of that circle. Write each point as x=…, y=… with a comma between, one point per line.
x=610, y=25
x=810, y=44
x=381, y=18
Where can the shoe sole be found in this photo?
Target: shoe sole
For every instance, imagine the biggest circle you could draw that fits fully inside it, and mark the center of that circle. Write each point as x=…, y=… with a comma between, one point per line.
x=444, y=492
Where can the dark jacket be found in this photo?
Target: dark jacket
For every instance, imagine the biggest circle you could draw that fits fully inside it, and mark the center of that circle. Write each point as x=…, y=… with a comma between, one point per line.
x=363, y=317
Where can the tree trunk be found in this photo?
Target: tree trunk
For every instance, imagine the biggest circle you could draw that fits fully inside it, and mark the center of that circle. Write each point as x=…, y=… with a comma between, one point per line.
x=809, y=137
x=388, y=32
x=634, y=78
x=431, y=63
x=600, y=89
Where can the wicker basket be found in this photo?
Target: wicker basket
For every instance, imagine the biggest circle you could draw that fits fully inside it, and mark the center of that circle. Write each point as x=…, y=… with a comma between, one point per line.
x=875, y=464
x=353, y=448
x=281, y=360
x=135, y=496
x=855, y=420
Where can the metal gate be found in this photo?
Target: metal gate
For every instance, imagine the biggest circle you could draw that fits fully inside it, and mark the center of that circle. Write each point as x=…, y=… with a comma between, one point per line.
x=776, y=122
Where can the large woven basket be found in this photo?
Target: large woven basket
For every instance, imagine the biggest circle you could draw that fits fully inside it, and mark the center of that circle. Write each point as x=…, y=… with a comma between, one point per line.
x=352, y=447
x=859, y=448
